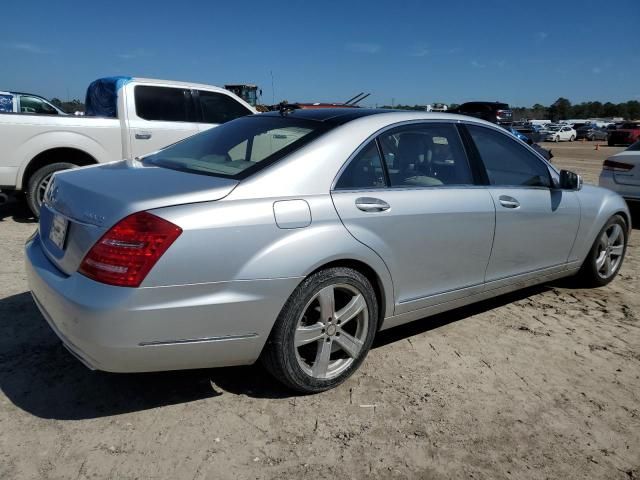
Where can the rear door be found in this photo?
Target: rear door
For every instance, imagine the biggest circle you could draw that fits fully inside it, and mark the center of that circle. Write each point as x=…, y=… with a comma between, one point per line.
x=421, y=211
x=159, y=116
x=536, y=224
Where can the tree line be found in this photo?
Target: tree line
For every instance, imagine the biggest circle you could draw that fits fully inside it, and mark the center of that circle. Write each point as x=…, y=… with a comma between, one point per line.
x=562, y=109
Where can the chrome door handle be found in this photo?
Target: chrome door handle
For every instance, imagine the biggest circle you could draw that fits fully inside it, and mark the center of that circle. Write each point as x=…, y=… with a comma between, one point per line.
x=143, y=135
x=508, y=202
x=368, y=204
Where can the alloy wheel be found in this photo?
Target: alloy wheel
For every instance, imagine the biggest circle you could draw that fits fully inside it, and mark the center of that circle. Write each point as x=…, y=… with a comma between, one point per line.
x=610, y=251
x=331, y=332
x=42, y=188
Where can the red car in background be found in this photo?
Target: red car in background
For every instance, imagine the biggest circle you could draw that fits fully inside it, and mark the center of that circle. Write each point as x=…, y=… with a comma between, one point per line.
x=627, y=134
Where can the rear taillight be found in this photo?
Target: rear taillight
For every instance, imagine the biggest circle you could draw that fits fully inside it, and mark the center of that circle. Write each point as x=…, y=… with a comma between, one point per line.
x=616, y=166
x=129, y=250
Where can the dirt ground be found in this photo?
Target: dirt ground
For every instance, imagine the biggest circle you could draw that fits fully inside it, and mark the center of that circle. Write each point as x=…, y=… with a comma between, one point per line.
x=543, y=383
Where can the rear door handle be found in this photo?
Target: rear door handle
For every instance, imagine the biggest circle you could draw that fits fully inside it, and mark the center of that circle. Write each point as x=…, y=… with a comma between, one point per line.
x=143, y=135
x=369, y=204
x=508, y=202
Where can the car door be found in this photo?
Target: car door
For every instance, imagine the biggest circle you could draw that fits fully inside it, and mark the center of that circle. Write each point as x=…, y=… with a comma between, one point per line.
x=159, y=116
x=214, y=108
x=421, y=211
x=536, y=224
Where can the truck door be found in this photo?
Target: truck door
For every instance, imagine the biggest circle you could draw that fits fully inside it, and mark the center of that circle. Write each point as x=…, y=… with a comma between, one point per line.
x=159, y=116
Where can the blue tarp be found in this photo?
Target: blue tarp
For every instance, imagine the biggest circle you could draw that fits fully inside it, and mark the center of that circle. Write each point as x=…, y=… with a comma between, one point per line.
x=6, y=102
x=102, y=96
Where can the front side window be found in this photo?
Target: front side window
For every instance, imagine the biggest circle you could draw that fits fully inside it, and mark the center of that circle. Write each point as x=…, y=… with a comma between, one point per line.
x=425, y=156
x=239, y=147
x=506, y=161
x=30, y=104
x=220, y=108
x=364, y=171
x=163, y=103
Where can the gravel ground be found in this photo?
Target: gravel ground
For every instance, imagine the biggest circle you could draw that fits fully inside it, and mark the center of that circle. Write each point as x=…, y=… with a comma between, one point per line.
x=543, y=383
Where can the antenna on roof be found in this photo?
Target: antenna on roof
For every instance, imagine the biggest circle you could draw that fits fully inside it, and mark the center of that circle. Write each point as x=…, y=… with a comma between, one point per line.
x=354, y=102
x=353, y=98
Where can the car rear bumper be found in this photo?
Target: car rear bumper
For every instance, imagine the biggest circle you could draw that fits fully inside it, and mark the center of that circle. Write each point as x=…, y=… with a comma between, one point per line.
x=628, y=192
x=120, y=329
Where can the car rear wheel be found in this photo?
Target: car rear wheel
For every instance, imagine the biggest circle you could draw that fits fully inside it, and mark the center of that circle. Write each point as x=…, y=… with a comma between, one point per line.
x=324, y=331
x=606, y=255
x=557, y=138
x=38, y=183
x=572, y=138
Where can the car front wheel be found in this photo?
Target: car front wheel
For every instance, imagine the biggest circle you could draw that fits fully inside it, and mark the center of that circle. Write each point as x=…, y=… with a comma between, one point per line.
x=324, y=331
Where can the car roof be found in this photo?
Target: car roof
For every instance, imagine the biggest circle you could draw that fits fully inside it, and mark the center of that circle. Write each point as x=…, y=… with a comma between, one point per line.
x=335, y=116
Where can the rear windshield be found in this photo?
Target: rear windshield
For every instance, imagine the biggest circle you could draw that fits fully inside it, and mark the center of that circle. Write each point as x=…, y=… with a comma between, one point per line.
x=635, y=147
x=240, y=147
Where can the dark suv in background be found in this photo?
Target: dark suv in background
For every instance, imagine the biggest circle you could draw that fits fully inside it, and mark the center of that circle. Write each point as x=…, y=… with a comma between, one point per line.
x=494, y=112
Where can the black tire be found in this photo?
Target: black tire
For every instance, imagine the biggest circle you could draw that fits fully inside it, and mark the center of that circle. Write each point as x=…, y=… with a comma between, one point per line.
x=572, y=138
x=589, y=276
x=38, y=181
x=610, y=143
x=280, y=355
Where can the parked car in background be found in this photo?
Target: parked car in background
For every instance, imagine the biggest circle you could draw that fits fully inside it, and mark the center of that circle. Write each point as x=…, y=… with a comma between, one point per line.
x=494, y=112
x=17, y=102
x=532, y=132
x=125, y=118
x=625, y=134
x=591, y=132
x=560, y=133
x=621, y=173
x=227, y=247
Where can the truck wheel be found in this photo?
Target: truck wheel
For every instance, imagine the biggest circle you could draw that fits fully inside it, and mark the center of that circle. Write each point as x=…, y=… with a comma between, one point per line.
x=38, y=182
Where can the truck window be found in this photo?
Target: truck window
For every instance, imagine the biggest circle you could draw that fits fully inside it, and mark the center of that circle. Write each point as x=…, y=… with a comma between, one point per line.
x=163, y=103
x=30, y=104
x=220, y=108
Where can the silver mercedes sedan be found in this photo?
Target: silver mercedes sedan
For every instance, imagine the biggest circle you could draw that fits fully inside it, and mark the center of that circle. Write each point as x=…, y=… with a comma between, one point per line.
x=295, y=236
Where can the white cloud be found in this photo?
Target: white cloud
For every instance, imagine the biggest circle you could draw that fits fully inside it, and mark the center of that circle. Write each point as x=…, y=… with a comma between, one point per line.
x=419, y=51
x=359, y=47
x=596, y=70
x=26, y=47
x=476, y=64
x=500, y=63
x=541, y=36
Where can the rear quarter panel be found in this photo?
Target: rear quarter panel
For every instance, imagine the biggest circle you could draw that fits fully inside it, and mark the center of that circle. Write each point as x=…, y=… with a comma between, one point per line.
x=23, y=137
x=238, y=240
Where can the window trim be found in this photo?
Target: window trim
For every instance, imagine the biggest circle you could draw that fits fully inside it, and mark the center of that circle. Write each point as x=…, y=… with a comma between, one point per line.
x=552, y=182
x=408, y=123
x=186, y=92
x=197, y=105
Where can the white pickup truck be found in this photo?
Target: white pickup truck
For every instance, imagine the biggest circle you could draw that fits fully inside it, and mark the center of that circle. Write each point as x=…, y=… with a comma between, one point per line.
x=125, y=118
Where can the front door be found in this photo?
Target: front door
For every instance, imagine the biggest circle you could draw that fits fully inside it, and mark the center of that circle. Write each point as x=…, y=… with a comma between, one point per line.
x=420, y=211
x=536, y=224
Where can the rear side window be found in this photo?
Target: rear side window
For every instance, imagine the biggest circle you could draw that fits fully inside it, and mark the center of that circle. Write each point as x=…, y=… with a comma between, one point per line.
x=506, y=161
x=30, y=104
x=364, y=171
x=163, y=103
x=425, y=156
x=220, y=108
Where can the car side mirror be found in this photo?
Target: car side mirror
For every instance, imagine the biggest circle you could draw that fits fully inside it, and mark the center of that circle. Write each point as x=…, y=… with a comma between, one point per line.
x=570, y=180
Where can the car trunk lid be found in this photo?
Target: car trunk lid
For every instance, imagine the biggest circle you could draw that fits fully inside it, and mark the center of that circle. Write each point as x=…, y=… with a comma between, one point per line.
x=82, y=204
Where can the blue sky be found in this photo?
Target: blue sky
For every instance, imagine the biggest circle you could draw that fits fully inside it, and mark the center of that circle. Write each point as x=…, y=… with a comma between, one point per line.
x=406, y=51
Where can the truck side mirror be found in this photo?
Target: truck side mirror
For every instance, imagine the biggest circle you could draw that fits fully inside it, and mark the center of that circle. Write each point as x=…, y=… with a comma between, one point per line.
x=570, y=180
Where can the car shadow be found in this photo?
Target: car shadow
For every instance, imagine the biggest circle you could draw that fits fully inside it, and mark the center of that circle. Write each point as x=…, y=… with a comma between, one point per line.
x=634, y=209
x=16, y=208
x=41, y=377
